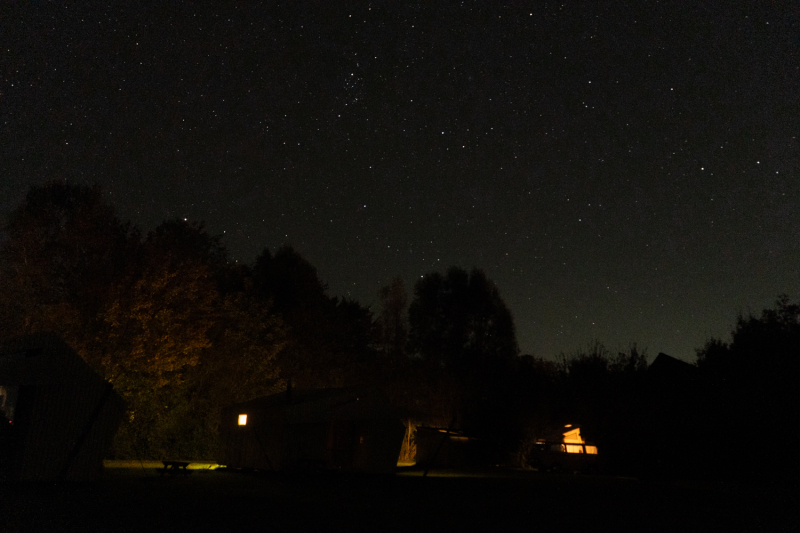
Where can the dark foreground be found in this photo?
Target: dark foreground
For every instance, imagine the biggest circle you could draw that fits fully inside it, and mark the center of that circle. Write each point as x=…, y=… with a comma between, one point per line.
x=140, y=500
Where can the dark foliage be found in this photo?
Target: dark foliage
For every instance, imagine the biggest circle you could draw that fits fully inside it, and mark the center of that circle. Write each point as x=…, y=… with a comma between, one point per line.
x=391, y=325
x=330, y=340
x=180, y=332
x=750, y=392
x=150, y=315
x=459, y=320
x=463, y=336
x=601, y=393
x=63, y=248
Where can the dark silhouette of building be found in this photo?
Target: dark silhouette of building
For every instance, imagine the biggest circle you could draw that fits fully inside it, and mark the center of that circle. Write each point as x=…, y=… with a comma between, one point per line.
x=675, y=434
x=59, y=416
x=332, y=429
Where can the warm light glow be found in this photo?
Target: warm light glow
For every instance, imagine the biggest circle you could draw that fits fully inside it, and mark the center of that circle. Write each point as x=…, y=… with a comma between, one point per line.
x=242, y=420
x=408, y=451
x=573, y=436
x=573, y=443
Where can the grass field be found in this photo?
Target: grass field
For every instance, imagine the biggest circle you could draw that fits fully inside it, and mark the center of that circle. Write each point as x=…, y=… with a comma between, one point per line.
x=139, y=499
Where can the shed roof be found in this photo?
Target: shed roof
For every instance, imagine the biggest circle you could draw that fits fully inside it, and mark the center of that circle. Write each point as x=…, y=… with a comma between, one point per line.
x=351, y=403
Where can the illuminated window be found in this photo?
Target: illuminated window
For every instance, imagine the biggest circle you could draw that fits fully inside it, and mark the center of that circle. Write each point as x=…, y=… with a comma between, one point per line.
x=242, y=420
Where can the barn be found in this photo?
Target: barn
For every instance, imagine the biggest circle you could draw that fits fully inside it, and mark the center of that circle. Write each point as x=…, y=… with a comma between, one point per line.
x=353, y=429
x=58, y=416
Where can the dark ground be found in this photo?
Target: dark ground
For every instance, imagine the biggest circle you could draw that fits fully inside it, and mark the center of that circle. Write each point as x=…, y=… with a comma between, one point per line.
x=140, y=500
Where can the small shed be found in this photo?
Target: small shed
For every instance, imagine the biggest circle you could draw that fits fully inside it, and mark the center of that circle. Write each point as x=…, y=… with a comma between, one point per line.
x=58, y=416
x=351, y=429
x=674, y=421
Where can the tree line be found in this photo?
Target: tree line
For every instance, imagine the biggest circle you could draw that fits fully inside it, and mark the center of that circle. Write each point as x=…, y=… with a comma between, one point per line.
x=180, y=331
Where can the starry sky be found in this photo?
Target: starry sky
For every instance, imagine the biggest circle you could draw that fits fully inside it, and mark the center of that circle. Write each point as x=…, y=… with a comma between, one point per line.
x=624, y=171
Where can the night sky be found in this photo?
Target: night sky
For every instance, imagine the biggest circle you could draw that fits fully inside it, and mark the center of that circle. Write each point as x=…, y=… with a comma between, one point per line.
x=624, y=171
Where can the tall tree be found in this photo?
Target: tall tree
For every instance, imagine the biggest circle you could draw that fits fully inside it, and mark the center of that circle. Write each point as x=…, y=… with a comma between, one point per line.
x=462, y=331
x=63, y=248
x=177, y=330
x=459, y=319
x=158, y=316
x=155, y=327
x=392, y=323
x=329, y=339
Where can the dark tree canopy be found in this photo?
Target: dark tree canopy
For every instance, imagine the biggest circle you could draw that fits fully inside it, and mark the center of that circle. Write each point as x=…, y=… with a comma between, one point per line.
x=63, y=247
x=462, y=333
x=329, y=339
x=767, y=346
x=459, y=318
x=291, y=281
x=752, y=385
x=148, y=314
x=186, y=242
x=391, y=327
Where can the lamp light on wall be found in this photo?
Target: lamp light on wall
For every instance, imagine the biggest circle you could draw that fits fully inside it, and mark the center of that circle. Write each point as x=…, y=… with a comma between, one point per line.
x=242, y=420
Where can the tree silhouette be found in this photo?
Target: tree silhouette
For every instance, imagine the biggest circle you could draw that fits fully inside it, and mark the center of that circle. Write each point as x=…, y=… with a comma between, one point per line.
x=64, y=247
x=459, y=320
x=176, y=329
x=392, y=323
x=751, y=388
x=328, y=339
x=463, y=334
